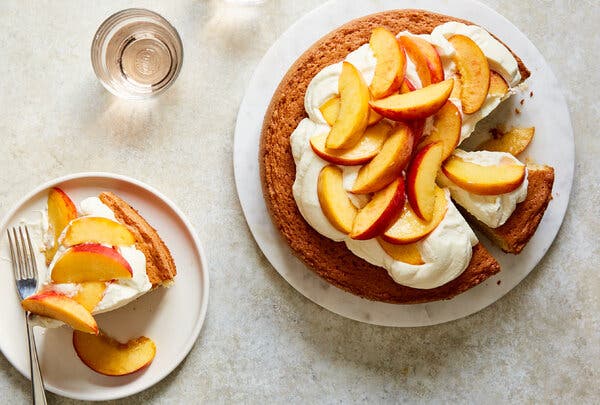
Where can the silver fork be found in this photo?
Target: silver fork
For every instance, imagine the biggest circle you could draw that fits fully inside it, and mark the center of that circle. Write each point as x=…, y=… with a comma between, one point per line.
x=26, y=278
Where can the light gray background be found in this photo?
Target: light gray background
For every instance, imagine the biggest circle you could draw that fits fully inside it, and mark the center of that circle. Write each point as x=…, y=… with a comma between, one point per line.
x=262, y=341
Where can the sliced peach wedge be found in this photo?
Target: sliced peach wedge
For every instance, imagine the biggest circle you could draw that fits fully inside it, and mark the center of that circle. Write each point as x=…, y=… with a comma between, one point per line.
x=353, y=116
x=391, y=63
x=380, y=212
x=417, y=104
x=389, y=162
x=61, y=211
x=498, y=87
x=365, y=150
x=474, y=72
x=409, y=228
x=484, y=180
x=98, y=230
x=514, y=141
x=57, y=306
x=446, y=129
x=107, y=356
x=407, y=86
x=334, y=200
x=90, y=294
x=331, y=109
x=90, y=262
x=426, y=59
x=420, y=180
x=408, y=253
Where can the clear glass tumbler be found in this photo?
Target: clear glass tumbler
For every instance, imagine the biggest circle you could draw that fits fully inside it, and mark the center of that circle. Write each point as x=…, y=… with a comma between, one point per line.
x=136, y=54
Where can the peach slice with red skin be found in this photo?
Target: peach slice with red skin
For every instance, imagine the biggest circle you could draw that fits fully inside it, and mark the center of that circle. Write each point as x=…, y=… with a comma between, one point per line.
x=90, y=262
x=107, y=356
x=391, y=63
x=408, y=253
x=334, y=200
x=407, y=86
x=380, y=212
x=484, y=180
x=416, y=104
x=514, y=141
x=426, y=59
x=409, y=228
x=389, y=162
x=474, y=72
x=60, y=307
x=420, y=179
x=365, y=150
x=90, y=294
x=353, y=116
x=61, y=211
x=331, y=109
x=447, y=124
x=98, y=230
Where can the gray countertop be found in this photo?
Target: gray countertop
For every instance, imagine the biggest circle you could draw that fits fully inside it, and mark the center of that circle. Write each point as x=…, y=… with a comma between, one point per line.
x=262, y=340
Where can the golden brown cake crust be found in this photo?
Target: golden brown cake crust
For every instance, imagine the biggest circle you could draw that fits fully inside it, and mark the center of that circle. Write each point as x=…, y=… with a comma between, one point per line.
x=332, y=260
x=522, y=224
x=160, y=266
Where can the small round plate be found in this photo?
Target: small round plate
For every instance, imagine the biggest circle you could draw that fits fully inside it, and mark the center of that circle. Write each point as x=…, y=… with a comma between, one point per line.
x=553, y=145
x=157, y=314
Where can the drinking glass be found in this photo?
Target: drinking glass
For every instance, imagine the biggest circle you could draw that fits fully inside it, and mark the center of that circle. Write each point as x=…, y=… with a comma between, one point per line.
x=136, y=54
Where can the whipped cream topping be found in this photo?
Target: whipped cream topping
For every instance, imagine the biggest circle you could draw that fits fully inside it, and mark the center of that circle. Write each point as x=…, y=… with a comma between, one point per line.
x=492, y=210
x=447, y=250
x=118, y=292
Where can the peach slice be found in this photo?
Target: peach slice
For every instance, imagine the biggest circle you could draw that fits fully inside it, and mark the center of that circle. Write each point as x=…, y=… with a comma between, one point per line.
x=447, y=124
x=388, y=164
x=90, y=262
x=354, y=109
x=456, y=90
x=498, y=87
x=334, y=200
x=380, y=212
x=420, y=179
x=409, y=228
x=416, y=104
x=514, y=141
x=426, y=59
x=107, y=356
x=391, y=63
x=57, y=306
x=408, y=253
x=365, y=150
x=90, y=294
x=331, y=109
x=407, y=86
x=98, y=230
x=474, y=72
x=484, y=180
x=61, y=211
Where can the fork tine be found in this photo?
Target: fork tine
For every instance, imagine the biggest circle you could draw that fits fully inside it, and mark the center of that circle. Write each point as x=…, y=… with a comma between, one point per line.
x=25, y=258
x=11, y=245
x=33, y=264
x=19, y=255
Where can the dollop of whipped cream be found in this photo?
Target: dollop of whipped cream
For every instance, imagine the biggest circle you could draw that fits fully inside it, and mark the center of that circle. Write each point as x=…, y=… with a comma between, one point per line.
x=118, y=292
x=447, y=250
x=492, y=210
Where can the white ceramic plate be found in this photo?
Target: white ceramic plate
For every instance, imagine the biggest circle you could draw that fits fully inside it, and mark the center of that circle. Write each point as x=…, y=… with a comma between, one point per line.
x=157, y=314
x=553, y=144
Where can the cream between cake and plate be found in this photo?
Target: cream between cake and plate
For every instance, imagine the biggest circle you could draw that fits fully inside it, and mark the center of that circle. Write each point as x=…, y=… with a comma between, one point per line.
x=446, y=251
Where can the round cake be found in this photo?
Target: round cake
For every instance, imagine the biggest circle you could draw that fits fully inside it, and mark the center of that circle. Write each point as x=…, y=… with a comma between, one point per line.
x=332, y=260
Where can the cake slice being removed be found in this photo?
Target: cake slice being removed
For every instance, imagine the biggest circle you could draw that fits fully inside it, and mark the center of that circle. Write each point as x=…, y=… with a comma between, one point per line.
x=518, y=229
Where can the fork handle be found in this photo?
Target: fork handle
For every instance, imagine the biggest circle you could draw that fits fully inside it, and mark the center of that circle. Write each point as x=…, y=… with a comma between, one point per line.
x=37, y=382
